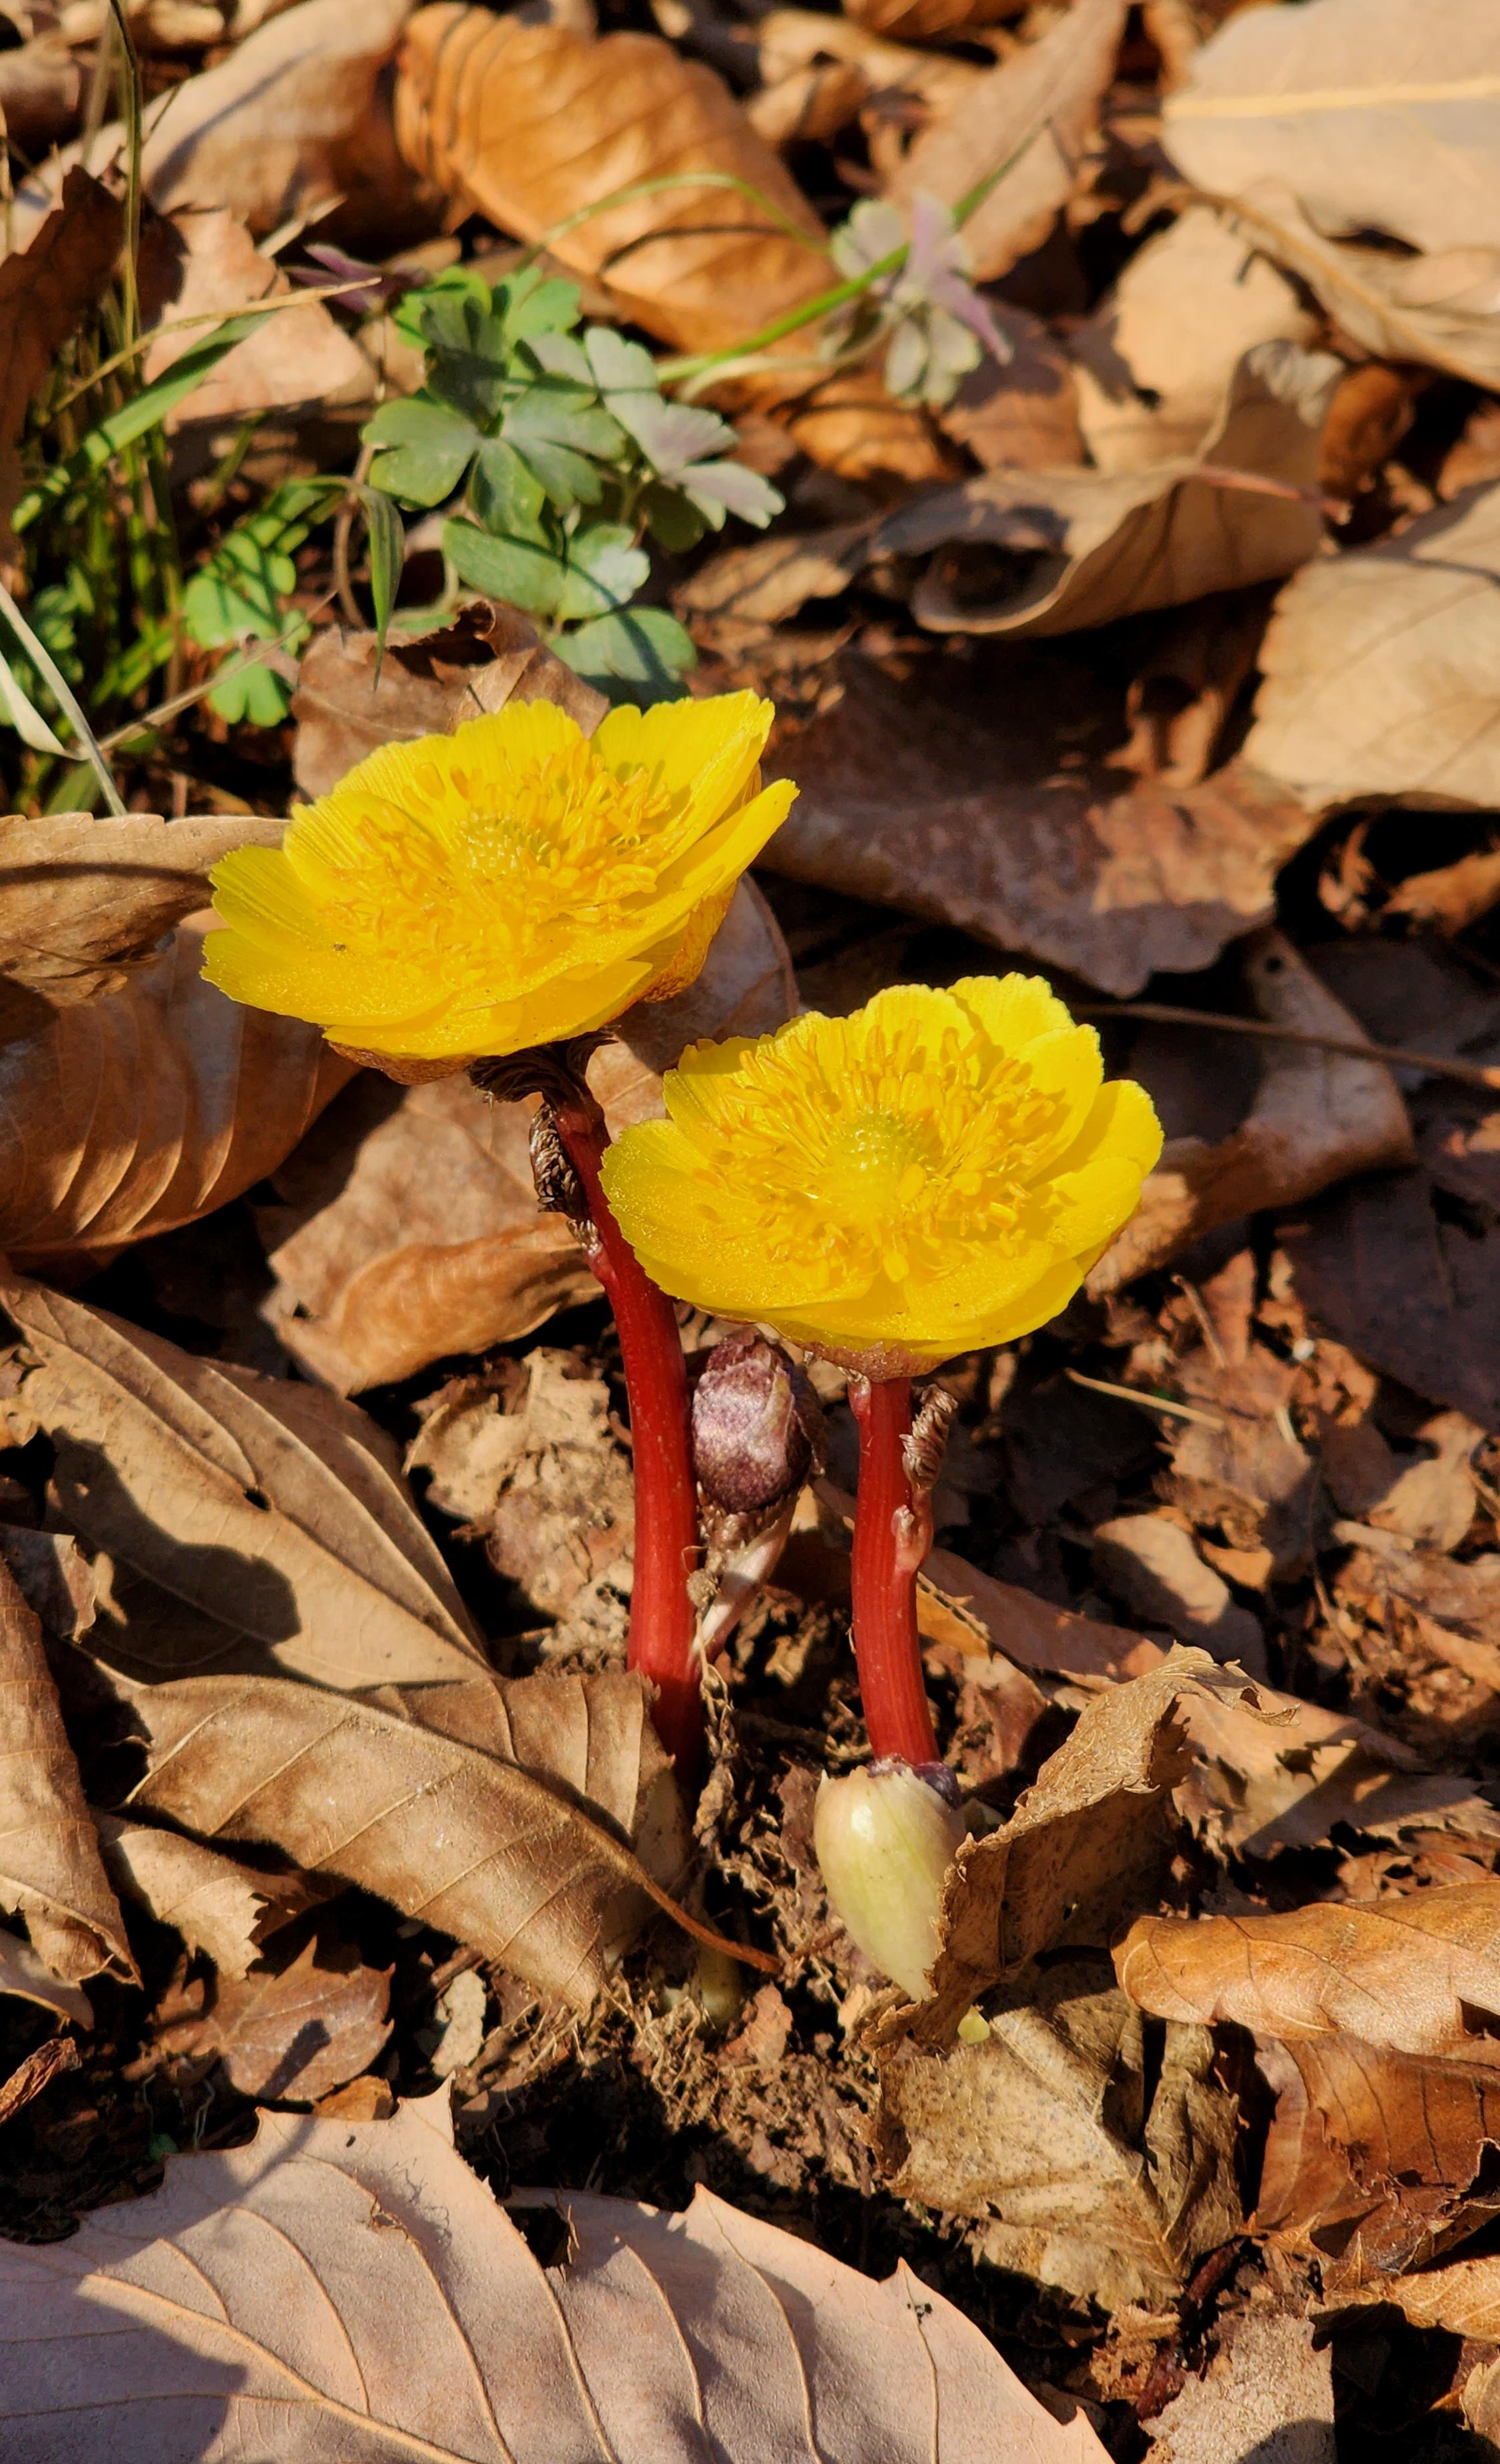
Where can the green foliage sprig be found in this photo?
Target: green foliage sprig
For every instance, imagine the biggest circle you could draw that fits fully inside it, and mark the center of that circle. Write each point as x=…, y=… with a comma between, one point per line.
x=568, y=457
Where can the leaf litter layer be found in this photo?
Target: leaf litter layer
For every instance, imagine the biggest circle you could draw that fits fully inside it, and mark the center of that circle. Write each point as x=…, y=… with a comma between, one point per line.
x=1141, y=643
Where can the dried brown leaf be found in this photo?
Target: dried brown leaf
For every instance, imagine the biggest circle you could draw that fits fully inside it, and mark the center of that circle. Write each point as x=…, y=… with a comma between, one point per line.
x=81, y=898
x=1155, y=358
x=218, y=1905
x=294, y=2032
x=1098, y=2171
x=925, y=21
x=51, y=1872
x=1051, y=552
x=1025, y=412
x=407, y=1228
x=1317, y=1118
x=530, y=122
x=1269, y=2394
x=835, y=63
x=144, y=1108
x=41, y=88
x=23, y=1973
x=947, y=801
x=1373, y=2160
x=1044, y=98
x=1464, y=2297
x=370, y=2296
x=541, y=1476
x=203, y=263
x=263, y=1508
x=1436, y=311
x=477, y=1847
x=1386, y=1266
x=31, y=2076
x=350, y=698
x=1085, y=1842
x=1379, y=668
x=1417, y=1972
x=1347, y=102
x=295, y=122
x=45, y=291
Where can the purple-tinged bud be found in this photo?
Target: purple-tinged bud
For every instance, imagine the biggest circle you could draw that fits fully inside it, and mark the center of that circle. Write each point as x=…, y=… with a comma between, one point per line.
x=886, y=1837
x=756, y=1426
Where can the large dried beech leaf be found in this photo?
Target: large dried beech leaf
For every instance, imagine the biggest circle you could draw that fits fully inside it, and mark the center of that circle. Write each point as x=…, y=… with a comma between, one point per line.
x=1040, y=552
x=1048, y=94
x=351, y=696
x=352, y=2292
x=530, y=122
x=1380, y=114
x=1381, y=669
x=407, y=1228
x=51, y=1871
x=146, y=1108
x=1318, y=1117
x=1098, y=2171
x=45, y=291
x=949, y=802
x=444, y=1831
x=218, y=1905
x=263, y=1508
x=1415, y=1972
x=1085, y=1842
x=294, y=121
x=81, y=898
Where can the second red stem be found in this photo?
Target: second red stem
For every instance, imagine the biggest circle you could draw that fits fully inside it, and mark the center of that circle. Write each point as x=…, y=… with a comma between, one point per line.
x=891, y=1533
x=663, y=1621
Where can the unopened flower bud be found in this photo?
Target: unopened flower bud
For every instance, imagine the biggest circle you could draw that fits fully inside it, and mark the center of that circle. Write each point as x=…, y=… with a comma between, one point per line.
x=885, y=1839
x=756, y=1426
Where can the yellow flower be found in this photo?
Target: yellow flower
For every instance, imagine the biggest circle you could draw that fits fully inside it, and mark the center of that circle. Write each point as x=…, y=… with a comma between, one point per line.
x=935, y=1174
x=508, y=885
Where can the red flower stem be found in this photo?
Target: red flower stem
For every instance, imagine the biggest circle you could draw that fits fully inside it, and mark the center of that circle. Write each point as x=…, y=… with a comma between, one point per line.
x=663, y=1621
x=892, y=1531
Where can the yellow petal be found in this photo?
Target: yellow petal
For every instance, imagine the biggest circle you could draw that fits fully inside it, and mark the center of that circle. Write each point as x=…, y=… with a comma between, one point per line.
x=704, y=750
x=1013, y=1010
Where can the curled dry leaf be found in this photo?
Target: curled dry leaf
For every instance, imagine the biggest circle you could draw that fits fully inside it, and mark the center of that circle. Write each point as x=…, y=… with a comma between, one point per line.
x=532, y=122
x=1084, y=1844
x=45, y=291
x=263, y=1511
x=142, y=1108
x=1381, y=669
x=24, y=1975
x=31, y=2076
x=946, y=800
x=1098, y=2170
x=477, y=1847
x=1373, y=2160
x=1417, y=1972
x=1036, y=112
x=1154, y=360
x=409, y=1230
x=219, y=1907
x=1093, y=546
x=370, y=2296
x=51, y=1872
x=1025, y=412
x=1346, y=102
x=203, y=263
x=823, y=69
x=1317, y=1117
x=290, y=2034
x=294, y=123
x=81, y=899
x=926, y=21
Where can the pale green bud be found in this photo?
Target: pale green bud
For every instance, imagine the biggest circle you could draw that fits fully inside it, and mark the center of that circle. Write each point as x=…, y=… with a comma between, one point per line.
x=885, y=1839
